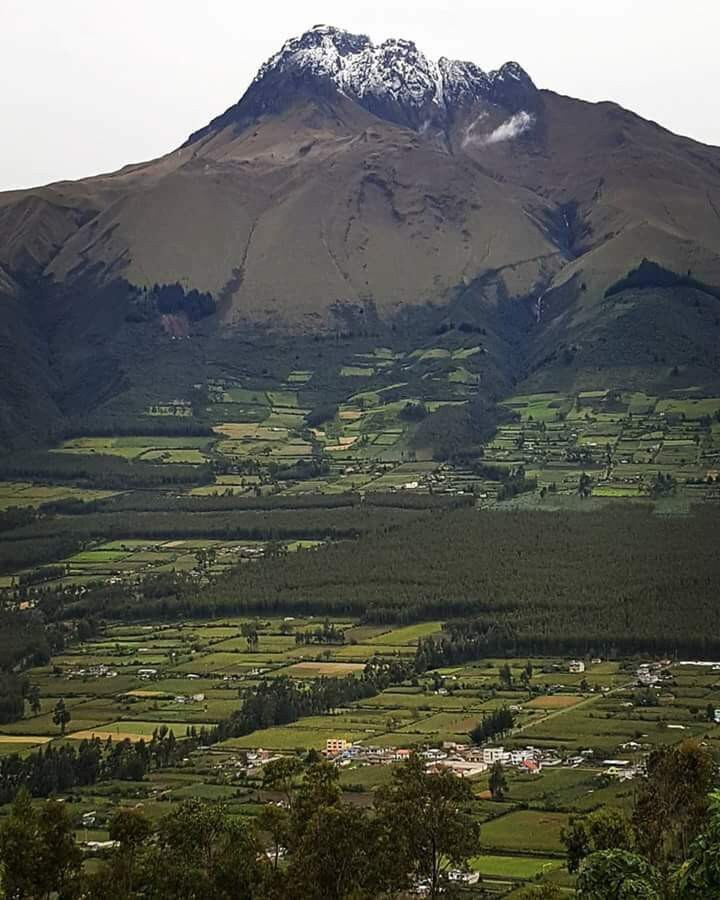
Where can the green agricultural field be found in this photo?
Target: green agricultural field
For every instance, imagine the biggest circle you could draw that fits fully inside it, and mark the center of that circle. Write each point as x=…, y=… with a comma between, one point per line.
x=357, y=372
x=690, y=408
x=175, y=456
x=132, y=730
x=522, y=868
x=528, y=830
x=287, y=738
x=408, y=635
x=25, y=493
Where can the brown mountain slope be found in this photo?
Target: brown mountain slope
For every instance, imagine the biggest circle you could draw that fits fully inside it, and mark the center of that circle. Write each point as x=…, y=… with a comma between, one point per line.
x=361, y=178
x=326, y=202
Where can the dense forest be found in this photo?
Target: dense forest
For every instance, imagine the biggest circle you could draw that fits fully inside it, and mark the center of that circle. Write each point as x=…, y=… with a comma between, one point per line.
x=620, y=581
x=247, y=524
x=99, y=470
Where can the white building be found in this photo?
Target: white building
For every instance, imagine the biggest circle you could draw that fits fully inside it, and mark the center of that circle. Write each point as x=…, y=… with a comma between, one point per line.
x=492, y=755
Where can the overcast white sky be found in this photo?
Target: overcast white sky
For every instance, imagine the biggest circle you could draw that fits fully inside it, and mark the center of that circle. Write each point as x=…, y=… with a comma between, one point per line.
x=87, y=86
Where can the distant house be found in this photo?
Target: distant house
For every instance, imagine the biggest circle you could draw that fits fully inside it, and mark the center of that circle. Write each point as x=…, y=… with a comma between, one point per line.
x=333, y=746
x=576, y=666
x=492, y=755
x=147, y=673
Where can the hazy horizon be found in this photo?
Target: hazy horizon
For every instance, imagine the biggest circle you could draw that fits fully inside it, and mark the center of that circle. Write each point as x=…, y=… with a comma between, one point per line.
x=93, y=87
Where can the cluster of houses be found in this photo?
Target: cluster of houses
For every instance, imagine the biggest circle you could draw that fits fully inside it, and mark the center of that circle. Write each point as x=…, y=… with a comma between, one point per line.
x=651, y=674
x=468, y=761
x=99, y=671
x=460, y=759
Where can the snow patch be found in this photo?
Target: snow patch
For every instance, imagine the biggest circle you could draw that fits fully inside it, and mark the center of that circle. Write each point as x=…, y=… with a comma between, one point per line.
x=392, y=71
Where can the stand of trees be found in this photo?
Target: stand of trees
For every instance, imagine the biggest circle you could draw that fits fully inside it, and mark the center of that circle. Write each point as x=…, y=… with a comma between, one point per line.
x=55, y=770
x=668, y=848
x=99, y=471
x=418, y=831
x=327, y=633
x=650, y=274
x=496, y=724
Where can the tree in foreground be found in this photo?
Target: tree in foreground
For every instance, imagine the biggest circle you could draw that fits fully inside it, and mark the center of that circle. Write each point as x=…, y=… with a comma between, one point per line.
x=201, y=851
x=671, y=803
x=38, y=852
x=431, y=822
x=604, y=829
x=698, y=878
x=618, y=875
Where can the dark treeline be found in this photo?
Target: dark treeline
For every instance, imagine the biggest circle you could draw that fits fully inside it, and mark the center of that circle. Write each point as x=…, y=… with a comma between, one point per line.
x=121, y=425
x=52, y=770
x=13, y=691
x=169, y=299
x=327, y=633
x=413, y=500
x=15, y=517
x=166, y=502
x=650, y=274
x=513, y=480
x=162, y=502
x=279, y=524
x=620, y=580
x=280, y=700
x=99, y=471
x=20, y=554
x=23, y=640
x=495, y=724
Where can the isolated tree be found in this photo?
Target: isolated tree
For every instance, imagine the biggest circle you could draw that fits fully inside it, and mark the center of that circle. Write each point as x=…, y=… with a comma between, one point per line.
x=281, y=775
x=34, y=699
x=61, y=715
x=250, y=632
x=201, y=851
x=497, y=782
x=335, y=857
x=59, y=858
x=274, y=822
x=672, y=801
x=506, y=675
x=19, y=849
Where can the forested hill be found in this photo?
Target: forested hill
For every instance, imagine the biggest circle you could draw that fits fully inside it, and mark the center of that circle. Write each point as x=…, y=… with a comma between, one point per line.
x=618, y=580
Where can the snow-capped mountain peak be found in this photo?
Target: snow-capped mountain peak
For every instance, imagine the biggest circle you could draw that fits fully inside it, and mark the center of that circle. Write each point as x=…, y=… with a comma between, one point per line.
x=394, y=72
x=394, y=80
